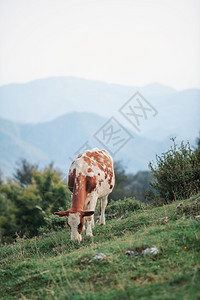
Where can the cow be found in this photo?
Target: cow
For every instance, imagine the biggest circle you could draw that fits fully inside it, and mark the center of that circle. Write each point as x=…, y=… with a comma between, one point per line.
x=91, y=177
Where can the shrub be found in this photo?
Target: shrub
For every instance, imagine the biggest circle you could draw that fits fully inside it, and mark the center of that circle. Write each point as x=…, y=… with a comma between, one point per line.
x=122, y=207
x=176, y=174
x=52, y=222
x=24, y=207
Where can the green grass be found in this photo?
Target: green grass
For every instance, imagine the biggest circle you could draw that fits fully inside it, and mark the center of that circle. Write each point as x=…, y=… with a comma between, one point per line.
x=53, y=267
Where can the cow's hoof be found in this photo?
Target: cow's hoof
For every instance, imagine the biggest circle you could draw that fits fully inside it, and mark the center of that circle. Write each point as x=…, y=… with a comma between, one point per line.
x=89, y=234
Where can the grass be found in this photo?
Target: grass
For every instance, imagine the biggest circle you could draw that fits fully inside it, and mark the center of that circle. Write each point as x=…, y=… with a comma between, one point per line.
x=53, y=267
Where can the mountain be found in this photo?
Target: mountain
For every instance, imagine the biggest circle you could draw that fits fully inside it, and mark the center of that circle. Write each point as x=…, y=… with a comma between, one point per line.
x=60, y=139
x=44, y=100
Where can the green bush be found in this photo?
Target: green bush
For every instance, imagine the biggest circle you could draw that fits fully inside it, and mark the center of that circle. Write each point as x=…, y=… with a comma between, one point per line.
x=52, y=222
x=24, y=208
x=176, y=174
x=122, y=207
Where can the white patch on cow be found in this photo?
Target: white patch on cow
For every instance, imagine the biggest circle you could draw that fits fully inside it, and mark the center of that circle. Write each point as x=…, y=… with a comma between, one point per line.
x=74, y=221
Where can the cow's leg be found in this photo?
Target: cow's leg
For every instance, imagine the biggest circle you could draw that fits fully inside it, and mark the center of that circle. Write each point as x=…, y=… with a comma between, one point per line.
x=104, y=201
x=92, y=222
x=91, y=204
x=89, y=226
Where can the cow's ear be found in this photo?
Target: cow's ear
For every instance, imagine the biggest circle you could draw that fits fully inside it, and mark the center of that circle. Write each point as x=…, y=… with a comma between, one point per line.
x=87, y=213
x=62, y=213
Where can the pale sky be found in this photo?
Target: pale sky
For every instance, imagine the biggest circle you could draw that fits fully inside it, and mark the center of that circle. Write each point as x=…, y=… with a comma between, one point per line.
x=131, y=42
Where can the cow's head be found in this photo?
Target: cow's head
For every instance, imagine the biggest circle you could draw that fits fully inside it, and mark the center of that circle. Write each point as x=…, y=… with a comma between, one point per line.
x=75, y=221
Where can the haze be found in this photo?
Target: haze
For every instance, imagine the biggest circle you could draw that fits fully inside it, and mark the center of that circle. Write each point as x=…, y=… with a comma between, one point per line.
x=126, y=42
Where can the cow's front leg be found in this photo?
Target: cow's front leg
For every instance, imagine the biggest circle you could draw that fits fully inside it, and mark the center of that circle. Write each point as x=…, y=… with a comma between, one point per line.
x=104, y=201
x=90, y=205
x=89, y=226
x=92, y=222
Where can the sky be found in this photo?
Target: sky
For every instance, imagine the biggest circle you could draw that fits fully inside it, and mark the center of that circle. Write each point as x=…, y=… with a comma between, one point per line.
x=130, y=42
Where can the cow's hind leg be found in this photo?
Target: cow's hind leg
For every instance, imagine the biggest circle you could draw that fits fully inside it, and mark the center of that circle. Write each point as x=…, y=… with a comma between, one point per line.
x=104, y=201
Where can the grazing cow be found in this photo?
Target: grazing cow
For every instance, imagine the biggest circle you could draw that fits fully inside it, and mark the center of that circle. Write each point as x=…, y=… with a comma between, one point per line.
x=91, y=176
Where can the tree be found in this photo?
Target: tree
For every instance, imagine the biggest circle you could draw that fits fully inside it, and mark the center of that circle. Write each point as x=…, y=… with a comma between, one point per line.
x=24, y=172
x=24, y=208
x=1, y=177
x=129, y=185
x=120, y=182
x=138, y=184
x=8, y=225
x=197, y=150
x=176, y=173
x=53, y=191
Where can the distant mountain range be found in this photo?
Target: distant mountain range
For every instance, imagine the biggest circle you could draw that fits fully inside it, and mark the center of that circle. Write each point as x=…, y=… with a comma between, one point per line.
x=58, y=140
x=50, y=119
x=46, y=99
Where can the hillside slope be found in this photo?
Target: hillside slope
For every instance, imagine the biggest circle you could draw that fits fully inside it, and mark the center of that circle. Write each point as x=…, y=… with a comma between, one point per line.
x=52, y=267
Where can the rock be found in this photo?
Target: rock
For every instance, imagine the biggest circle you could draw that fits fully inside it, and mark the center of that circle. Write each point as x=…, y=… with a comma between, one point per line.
x=137, y=252
x=85, y=260
x=129, y=252
x=180, y=206
x=164, y=219
x=100, y=256
x=152, y=250
x=197, y=217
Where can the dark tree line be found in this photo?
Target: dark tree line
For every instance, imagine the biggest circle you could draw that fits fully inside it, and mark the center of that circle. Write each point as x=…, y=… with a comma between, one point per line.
x=130, y=185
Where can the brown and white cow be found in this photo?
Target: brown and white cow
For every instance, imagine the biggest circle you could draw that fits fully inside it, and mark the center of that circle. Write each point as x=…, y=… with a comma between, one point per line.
x=91, y=177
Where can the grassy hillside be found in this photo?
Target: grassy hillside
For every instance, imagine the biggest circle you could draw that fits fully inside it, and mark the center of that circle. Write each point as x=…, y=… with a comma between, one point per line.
x=52, y=267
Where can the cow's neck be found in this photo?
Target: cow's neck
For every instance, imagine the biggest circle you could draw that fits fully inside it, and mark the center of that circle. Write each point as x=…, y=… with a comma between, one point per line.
x=79, y=194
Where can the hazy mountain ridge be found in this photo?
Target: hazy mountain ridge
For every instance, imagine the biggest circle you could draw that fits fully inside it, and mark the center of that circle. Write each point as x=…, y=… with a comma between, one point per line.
x=59, y=139
x=43, y=100
x=55, y=132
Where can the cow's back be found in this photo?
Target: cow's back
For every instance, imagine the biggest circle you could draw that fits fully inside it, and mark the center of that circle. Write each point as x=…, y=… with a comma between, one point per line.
x=96, y=167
